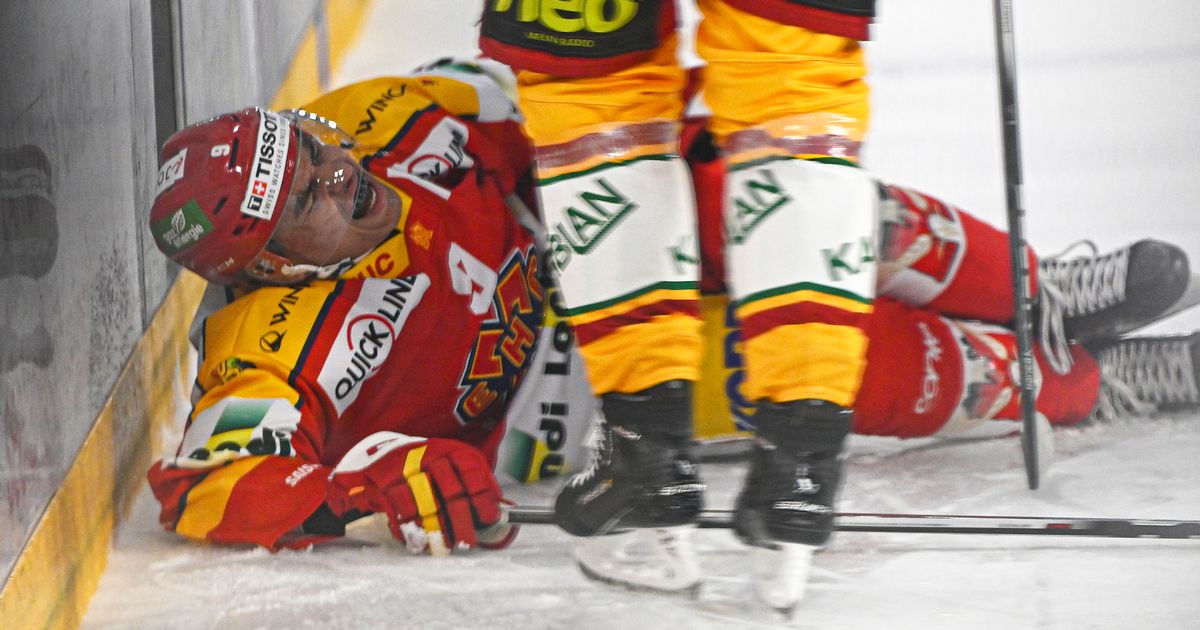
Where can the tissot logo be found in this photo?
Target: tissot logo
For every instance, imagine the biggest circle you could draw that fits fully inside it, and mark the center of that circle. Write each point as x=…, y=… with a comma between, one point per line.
x=266, y=173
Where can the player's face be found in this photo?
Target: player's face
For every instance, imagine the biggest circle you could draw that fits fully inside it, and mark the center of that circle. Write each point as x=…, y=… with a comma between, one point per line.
x=335, y=210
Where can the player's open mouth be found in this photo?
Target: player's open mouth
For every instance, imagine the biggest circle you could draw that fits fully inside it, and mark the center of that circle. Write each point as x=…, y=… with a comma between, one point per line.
x=364, y=197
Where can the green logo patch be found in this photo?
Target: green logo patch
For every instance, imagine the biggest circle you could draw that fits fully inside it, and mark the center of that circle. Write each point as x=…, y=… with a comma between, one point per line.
x=587, y=224
x=848, y=259
x=182, y=229
x=754, y=199
x=242, y=414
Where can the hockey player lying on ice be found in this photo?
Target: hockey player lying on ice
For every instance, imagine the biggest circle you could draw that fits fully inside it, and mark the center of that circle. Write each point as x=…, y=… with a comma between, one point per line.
x=382, y=304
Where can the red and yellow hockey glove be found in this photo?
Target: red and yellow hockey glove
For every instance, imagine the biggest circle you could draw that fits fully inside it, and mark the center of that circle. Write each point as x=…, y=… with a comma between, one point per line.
x=438, y=494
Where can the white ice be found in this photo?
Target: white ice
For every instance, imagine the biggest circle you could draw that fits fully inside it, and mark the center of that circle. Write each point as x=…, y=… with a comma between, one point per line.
x=1109, y=121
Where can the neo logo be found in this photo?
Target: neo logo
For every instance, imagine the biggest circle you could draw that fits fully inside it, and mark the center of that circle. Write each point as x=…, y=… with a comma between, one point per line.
x=573, y=16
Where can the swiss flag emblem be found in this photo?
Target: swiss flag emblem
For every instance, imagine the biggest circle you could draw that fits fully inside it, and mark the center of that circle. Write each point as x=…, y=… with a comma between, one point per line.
x=260, y=187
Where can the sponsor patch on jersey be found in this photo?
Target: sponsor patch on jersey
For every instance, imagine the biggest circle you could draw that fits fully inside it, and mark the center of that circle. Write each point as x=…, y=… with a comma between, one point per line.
x=238, y=427
x=367, y=334
x=443, y=150
x=182, y=229
x=266, y=172
x=587, y=30
x=170, y=172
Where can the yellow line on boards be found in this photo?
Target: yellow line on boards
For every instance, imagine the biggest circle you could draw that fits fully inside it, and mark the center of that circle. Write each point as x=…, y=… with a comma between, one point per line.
x=59, y=568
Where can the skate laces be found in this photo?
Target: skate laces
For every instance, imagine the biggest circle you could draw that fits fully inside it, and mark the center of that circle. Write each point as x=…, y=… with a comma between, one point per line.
x=1090, y=283
x=1137, y=375
x=1077, y=286
x=598, y=443
x=1053, y=337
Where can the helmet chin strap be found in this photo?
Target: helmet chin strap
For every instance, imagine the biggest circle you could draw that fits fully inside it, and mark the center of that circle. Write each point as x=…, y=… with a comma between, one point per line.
x=324, y=272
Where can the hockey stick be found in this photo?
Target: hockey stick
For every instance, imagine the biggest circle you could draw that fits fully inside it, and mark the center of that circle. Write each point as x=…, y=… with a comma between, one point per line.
x=946, y=524
x=1006, y=66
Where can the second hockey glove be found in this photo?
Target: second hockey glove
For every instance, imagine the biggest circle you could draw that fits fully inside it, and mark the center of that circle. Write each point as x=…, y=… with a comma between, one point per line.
x=438, y=494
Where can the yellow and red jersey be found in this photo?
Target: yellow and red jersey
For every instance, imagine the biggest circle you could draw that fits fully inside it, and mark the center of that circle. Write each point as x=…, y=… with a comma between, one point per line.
x=428, y=335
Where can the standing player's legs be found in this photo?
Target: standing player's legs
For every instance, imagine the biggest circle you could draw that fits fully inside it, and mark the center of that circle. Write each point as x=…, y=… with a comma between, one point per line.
x=789, y=112
x=620, y=218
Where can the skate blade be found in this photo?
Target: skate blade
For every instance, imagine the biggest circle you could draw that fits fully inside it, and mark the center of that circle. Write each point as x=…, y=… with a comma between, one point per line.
x=780, y=574
x=655, y=559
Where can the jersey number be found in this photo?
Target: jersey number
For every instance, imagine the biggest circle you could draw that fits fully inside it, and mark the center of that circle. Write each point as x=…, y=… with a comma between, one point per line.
x=470, y=277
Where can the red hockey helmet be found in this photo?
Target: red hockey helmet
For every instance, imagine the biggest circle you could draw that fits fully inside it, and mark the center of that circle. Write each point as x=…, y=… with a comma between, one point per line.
x=222, y=185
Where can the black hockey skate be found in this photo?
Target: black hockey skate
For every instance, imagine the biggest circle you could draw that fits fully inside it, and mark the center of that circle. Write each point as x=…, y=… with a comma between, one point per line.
x=1141, y=376
x=1109, y=295
x=795, y=473
x=641, y=475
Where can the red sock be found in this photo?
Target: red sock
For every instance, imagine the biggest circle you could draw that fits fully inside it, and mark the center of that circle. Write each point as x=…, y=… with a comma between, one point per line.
x=925, y=371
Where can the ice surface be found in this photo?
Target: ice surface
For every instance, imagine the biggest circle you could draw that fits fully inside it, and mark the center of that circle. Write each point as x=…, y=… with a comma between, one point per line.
x=1110, y=128
x=1131, y=469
